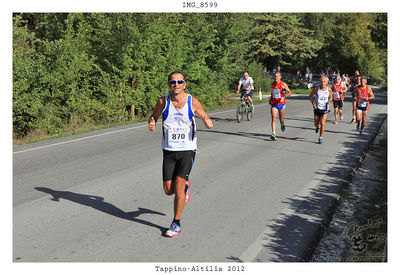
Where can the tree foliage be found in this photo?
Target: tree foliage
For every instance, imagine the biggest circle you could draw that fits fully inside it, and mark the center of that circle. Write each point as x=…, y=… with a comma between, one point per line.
x=282, y=38
x=351, y=41
x=73, y=69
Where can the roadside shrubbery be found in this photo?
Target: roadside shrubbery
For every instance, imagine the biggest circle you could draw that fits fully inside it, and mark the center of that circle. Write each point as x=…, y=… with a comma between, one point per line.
x=77, y=69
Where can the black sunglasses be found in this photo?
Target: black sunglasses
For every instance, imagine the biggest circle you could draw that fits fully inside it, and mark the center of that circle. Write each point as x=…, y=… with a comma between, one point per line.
x=173, y=82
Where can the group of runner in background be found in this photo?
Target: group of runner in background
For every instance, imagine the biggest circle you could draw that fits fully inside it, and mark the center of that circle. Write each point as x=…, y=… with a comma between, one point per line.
x=321, y=98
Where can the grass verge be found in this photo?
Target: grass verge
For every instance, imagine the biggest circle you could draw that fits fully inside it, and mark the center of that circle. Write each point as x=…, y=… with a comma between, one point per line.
x=41, y=135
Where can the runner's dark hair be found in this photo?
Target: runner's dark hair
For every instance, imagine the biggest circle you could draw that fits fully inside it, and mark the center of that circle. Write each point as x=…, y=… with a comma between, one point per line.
x=176, y=72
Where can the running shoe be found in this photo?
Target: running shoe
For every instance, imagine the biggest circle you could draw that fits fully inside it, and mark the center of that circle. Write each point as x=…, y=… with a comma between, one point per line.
x=320, y=140
x=358, y=125
x=173, y=230
x=316, y=129
x=283, y=127
x=335, y=122
x=353, y=120
x=187, y=192
x=273, y=137
x=341, y=117
x=252, y=108
x=361, y=132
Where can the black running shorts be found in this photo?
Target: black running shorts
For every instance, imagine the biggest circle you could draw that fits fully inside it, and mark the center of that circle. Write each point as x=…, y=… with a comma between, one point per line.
x=177, y=164
x=338, y=104
x=319, y=112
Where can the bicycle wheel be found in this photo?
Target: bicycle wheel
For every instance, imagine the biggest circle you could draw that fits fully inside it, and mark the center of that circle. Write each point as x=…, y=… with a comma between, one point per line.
x=239, y=112
x=250, y=112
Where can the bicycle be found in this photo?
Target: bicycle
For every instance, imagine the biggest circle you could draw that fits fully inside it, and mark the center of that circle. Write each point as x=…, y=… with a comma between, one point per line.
x=243, y=108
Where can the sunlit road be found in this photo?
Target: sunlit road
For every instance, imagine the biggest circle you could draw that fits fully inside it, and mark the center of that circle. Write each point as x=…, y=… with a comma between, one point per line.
x=98, y=196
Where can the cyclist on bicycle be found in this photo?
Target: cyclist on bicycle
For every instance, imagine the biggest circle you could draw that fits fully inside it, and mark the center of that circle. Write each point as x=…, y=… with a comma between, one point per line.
x=280, y=91
x=246, y=82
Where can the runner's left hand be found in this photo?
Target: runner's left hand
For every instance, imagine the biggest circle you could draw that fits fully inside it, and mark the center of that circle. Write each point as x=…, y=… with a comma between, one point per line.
x=208, y=123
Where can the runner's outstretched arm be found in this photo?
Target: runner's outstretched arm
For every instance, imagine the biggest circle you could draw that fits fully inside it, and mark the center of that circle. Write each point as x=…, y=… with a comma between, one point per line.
x=313, y=92
x=198, y=109
x=156, y=114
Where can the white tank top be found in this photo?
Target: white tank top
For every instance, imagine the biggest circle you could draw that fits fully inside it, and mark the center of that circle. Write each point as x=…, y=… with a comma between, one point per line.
x=179, y=127
x=322, y=98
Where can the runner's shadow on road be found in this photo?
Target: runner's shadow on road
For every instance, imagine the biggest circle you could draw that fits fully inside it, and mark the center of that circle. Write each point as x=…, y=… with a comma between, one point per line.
x=98, y=203
x=306, y=119
x=260, y=136
x=299, y=139
x=224, y=119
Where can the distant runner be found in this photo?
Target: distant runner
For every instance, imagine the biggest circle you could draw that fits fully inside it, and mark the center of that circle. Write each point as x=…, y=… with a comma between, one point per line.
x=356, y=83
x=338, y=90
x=280, y=91
x=321, y=97
x=179, y=142
x=363, y=95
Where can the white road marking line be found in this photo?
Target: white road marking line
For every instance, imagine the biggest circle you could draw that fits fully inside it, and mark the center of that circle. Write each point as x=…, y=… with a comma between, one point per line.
x=103, y=134
x=78, y=139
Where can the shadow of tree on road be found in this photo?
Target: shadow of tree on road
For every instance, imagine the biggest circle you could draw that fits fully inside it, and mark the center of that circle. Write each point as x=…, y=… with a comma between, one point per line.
x=98, y=203
x=294, y=234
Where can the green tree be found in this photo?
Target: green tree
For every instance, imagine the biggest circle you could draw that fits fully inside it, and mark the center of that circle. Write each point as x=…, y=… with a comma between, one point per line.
x=351, y=41
x=353, y=45
x=72, y=69
x=280, y=39
x=27, y=92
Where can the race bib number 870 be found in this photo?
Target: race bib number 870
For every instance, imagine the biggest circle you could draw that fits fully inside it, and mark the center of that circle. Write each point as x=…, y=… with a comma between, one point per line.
x=178, y=137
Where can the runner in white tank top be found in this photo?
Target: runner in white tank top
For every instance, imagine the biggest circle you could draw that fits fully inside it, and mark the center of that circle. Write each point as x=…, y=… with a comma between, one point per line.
x=321, y=98
x=179, y=126
x=178, y=143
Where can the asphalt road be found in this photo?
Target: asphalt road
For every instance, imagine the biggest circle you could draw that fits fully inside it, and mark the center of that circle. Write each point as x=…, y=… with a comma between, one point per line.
x=98, y=197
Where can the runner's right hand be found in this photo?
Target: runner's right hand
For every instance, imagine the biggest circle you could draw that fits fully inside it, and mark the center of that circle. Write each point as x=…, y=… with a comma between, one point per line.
x=152, y=124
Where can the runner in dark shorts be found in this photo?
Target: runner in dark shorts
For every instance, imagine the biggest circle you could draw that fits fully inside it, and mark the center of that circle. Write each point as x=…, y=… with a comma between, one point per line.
x=321, y=97
x=363, y=95
x=177, y=164
x=179, y=142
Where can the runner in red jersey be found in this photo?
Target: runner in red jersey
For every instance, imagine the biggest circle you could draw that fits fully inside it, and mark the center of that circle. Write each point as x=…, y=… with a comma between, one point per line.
x=280, y=91
x=356, y=83
x=338, y=90
x=363, y=95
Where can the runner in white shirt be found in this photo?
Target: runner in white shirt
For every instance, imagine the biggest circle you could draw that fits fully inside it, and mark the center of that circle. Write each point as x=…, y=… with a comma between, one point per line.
x=321, y=98
x=179, y=142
